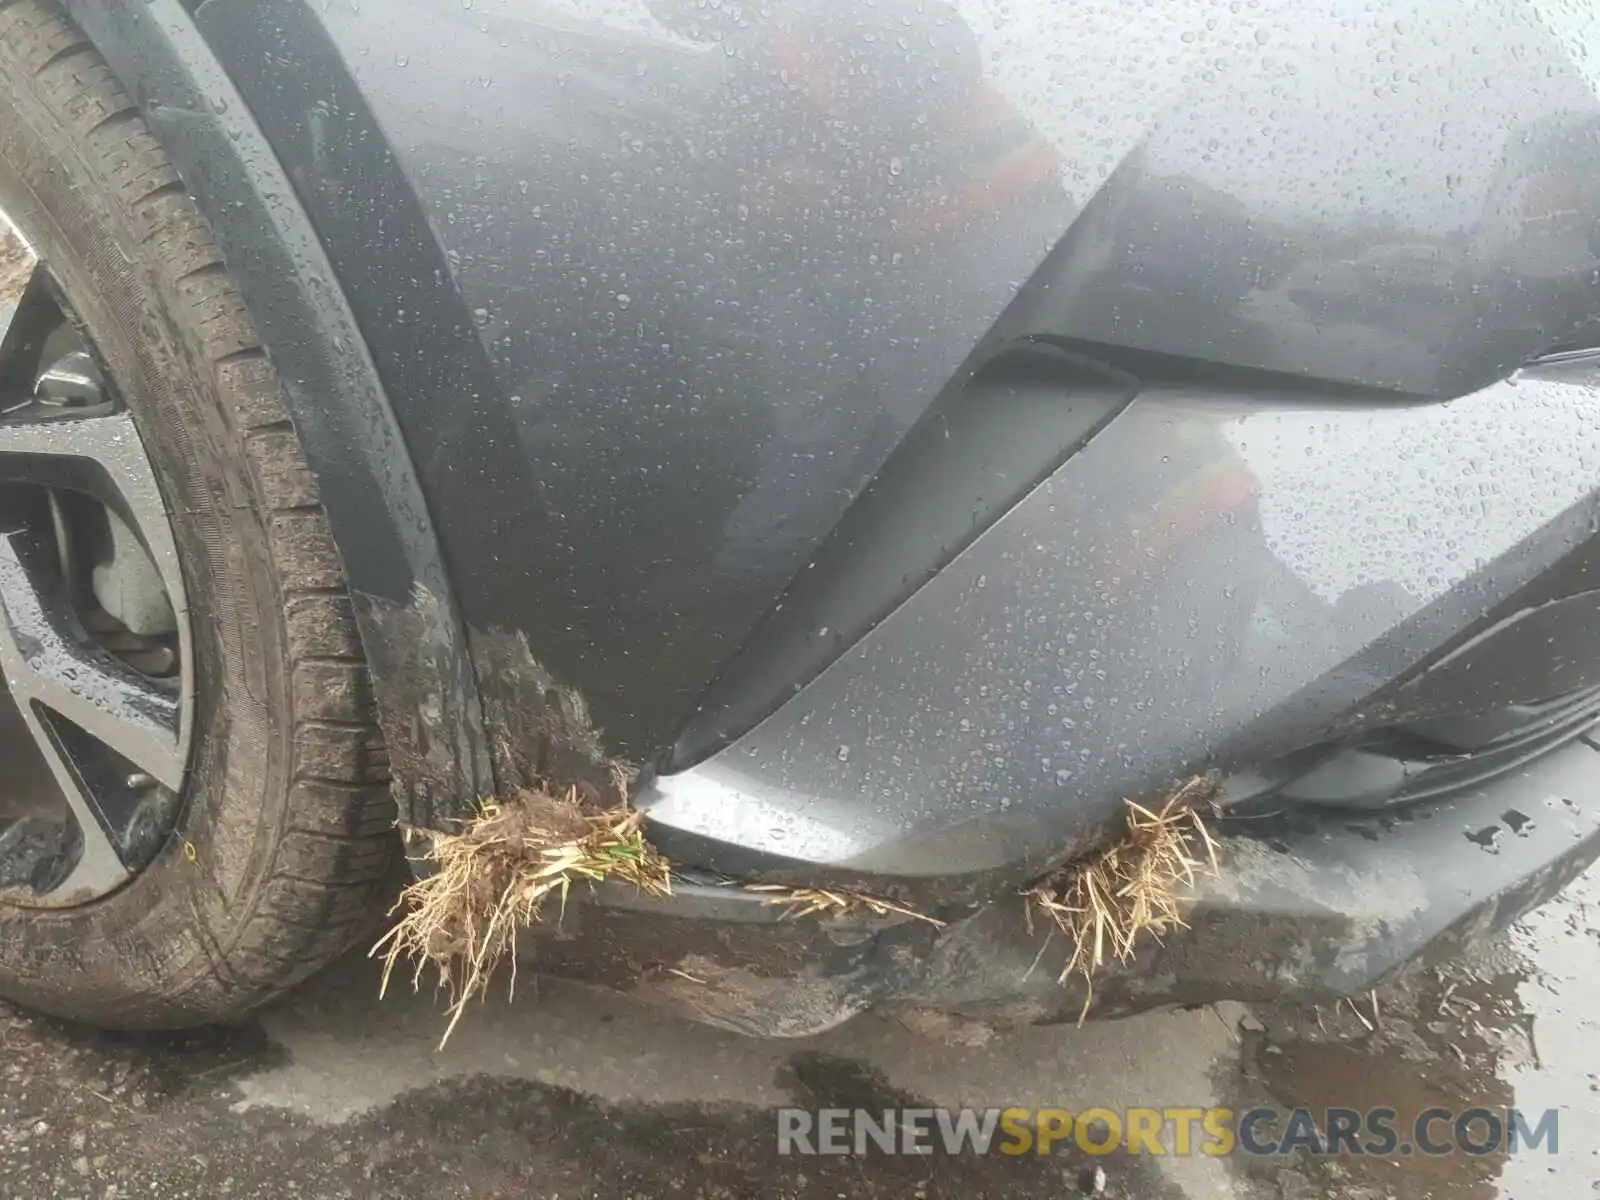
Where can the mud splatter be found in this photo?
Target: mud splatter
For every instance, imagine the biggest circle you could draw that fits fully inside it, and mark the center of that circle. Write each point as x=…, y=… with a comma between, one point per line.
x=539, y=729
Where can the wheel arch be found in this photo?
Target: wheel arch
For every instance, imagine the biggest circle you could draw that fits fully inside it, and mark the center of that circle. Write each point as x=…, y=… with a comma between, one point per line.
x=406, y=612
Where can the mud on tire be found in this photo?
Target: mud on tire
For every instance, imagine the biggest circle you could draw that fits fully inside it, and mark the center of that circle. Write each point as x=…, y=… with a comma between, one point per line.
x=285, y=846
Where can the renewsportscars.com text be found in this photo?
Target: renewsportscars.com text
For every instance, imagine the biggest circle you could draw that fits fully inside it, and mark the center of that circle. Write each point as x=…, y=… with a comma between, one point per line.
x=1177, y=1131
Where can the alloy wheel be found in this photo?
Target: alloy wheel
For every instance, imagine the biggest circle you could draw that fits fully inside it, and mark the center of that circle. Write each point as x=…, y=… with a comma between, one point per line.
x=95, y=651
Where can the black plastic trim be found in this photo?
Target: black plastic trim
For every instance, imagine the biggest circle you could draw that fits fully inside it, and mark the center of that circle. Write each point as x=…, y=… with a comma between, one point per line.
x=340, y=409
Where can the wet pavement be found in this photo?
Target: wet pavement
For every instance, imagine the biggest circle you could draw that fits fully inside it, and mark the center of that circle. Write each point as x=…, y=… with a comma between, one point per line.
x=569, y=1093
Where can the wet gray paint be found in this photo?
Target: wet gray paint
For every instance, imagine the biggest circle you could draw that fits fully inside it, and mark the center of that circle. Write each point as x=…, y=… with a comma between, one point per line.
x=1096, y=658
x=702, y=268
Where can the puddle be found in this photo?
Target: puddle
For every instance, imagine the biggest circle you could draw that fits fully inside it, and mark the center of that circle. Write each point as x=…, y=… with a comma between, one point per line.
x=1560, y=1068
x=1510, y=1026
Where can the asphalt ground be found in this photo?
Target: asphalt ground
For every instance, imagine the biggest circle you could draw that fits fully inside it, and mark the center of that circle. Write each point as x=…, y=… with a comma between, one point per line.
x=574, y=1093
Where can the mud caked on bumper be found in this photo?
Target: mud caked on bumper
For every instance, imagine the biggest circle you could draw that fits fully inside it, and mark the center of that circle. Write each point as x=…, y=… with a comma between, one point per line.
x=1310, y=905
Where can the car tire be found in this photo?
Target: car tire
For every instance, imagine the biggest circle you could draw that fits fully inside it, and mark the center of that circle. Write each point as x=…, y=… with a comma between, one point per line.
x=284, y=846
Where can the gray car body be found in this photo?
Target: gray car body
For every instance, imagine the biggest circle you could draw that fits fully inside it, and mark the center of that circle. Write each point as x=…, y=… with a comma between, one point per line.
x=711, y=338
x=693, y=373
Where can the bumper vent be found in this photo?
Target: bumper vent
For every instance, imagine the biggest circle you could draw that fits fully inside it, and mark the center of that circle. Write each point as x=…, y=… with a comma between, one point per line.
x=1433, y=759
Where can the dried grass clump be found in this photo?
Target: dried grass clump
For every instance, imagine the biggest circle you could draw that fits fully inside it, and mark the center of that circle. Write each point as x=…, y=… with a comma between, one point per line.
x=491, y=881
x=1105, y=902
x=807, y=902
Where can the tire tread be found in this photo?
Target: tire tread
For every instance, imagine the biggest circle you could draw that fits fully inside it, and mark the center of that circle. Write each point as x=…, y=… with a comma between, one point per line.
x=335, y=853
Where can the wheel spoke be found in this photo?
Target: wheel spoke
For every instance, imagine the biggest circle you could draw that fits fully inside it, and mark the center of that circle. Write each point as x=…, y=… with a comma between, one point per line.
x=46, y=666
x=99, y=866
x=70, y=695
x=113, y=444
x=89, y=588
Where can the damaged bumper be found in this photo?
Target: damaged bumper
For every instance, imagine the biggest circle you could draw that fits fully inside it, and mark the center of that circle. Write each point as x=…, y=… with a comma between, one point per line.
x=1309, y=905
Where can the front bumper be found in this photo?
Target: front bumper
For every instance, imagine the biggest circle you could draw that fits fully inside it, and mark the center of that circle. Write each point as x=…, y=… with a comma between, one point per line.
x=1310, y=906
x=1210, y=582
